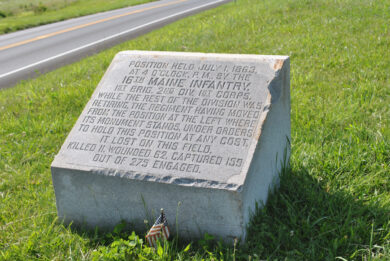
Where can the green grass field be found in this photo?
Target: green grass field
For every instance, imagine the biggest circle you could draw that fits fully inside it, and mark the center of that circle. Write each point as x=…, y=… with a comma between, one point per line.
x=334, y=201
x=21, y=14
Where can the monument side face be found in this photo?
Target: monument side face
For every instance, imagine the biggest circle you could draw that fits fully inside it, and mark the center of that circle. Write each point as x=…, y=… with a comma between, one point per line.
x=163, y=128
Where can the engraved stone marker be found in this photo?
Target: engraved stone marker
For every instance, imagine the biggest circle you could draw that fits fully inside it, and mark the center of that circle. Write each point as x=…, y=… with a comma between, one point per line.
x=208, y=130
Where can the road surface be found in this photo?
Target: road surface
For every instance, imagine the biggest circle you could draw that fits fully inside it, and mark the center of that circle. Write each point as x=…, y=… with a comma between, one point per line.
x=25, y=53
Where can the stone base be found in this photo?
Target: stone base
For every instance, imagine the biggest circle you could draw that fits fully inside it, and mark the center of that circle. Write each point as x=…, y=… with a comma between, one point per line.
x=105, y=200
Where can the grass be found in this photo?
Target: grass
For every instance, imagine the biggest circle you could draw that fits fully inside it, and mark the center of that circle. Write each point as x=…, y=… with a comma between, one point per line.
x=21, y=14
x=333, y=202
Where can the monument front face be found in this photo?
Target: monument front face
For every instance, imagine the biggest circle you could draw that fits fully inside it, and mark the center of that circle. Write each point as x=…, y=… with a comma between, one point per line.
x=160, y=119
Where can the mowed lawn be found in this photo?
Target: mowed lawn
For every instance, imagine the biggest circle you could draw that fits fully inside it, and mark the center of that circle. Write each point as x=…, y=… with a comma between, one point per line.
x=333, y=202
x=20, y=14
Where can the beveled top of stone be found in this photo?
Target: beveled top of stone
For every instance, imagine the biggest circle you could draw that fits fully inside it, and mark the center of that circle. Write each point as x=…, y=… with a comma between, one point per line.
x=191, y=119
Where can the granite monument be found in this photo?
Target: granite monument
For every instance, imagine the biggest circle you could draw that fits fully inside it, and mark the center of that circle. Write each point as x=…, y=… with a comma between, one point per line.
x=210, y=131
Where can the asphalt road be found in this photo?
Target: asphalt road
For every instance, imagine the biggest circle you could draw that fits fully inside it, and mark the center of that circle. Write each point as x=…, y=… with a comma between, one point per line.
x=25, y=54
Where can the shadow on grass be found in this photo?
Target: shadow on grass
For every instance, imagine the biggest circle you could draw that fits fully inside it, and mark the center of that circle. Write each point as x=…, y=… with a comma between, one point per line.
x=301, y=220
x=304, y=221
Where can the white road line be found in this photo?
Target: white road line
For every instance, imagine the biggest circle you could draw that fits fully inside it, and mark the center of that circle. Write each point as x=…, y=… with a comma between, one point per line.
x=107, y=38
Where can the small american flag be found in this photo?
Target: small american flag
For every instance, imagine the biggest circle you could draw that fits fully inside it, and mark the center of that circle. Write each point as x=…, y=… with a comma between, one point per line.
x=158, y=230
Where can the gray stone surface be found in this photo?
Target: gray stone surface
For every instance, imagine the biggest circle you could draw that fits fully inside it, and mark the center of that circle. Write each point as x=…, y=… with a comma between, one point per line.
x=203, y=136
